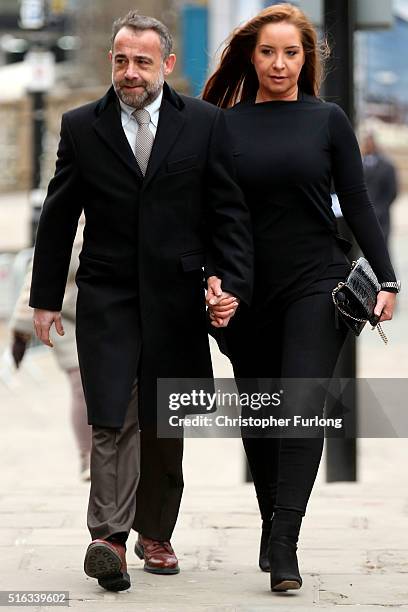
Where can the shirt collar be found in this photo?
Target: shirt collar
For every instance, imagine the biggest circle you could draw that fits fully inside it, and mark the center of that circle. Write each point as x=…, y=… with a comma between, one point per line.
x=152, y=108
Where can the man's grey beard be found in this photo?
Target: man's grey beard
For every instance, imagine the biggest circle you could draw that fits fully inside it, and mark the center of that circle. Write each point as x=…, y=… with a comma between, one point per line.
x=148, y=95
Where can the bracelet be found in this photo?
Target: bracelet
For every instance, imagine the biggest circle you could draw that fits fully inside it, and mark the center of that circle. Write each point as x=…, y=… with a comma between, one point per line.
x=395, y=285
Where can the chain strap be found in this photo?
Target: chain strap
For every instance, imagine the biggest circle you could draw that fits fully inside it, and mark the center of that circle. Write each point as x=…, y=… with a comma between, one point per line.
x=381, y=332
x=346, y=314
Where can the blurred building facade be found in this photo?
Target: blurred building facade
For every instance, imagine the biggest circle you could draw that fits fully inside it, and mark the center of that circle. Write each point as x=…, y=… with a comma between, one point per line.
x=93, y=24
x=78, y=32
x=385, y=76
x=83, y=74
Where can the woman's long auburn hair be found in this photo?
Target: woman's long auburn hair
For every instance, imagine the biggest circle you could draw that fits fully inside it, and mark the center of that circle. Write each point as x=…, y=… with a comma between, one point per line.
x=235, y=78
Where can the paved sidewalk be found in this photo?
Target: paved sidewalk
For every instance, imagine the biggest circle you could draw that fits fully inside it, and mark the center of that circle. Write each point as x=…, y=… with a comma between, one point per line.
x=354, y=543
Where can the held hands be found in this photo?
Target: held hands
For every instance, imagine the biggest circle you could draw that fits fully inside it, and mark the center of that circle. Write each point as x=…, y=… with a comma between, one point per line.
x=43, y=320
x=221, y=304
x=385, y=305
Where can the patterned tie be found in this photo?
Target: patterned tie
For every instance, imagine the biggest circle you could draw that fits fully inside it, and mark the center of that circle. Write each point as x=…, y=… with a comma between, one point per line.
x=144, y=139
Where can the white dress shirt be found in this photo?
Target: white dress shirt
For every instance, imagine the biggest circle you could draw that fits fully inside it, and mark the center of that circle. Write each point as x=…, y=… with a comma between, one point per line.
x=131, y=126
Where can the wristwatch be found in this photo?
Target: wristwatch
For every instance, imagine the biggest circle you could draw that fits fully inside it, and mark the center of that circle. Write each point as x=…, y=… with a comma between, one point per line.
x=394, y=286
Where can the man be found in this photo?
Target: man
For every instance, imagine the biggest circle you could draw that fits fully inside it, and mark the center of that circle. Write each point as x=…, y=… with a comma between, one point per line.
x=152, y=171
x=381, y=179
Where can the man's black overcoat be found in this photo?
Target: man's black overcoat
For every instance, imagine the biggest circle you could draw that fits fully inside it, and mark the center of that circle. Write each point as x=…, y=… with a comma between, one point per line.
x=141, y=309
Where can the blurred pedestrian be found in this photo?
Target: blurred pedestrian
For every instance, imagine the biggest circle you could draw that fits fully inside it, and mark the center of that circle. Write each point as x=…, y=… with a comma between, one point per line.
x=153, y=171
x=381, y=178
x=21, y=325
x=288, y=146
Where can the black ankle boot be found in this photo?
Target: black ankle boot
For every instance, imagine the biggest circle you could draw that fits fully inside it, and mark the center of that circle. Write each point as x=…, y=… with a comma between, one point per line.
x=282, y=548
x=263, y=550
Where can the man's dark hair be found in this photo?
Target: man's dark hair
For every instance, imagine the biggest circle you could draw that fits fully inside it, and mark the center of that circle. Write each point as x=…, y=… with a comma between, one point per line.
x=140, y=23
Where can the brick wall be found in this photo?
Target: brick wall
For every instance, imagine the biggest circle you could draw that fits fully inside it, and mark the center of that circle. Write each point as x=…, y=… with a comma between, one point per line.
x=15, y=145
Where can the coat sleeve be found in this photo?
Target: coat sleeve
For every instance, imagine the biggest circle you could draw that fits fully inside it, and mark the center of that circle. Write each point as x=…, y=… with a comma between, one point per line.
x=230, y=231
x=357, y=209
x=57, y=228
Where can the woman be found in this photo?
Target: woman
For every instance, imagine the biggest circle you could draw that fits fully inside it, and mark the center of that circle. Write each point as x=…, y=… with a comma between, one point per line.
x=289, y=146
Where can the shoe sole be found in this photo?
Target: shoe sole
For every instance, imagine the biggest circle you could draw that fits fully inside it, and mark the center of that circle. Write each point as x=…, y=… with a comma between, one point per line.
x=104, y=564
x=159, y=570
x=286, y=585
x=118, y=582
x=155, y=570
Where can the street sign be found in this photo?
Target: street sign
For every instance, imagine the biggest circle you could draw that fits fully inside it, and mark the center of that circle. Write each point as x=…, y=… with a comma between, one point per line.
x=32, y=14
x=42, y=66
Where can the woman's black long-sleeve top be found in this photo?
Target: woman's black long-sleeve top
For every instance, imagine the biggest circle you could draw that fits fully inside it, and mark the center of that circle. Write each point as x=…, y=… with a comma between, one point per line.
x=288, y=155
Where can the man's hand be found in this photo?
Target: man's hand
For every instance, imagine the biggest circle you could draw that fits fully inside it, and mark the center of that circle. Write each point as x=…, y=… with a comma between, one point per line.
x=43, y=320
x=221, y=313
x=221, y=304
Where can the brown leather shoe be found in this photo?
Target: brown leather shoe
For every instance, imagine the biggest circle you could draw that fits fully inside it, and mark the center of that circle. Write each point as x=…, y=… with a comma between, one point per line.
x=106, y=561
x=159, y=557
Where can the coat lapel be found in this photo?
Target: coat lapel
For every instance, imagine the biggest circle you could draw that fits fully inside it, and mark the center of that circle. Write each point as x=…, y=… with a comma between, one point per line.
x=109, y=128
x=171, y=121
